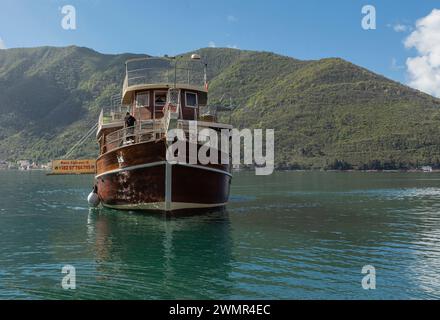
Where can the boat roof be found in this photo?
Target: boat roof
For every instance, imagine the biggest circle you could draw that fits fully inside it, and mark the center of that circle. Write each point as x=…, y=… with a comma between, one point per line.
x=128, y=92
x=163, y=73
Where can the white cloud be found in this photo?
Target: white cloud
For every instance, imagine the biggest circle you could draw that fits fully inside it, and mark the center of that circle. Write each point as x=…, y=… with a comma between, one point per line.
x=424, y=70
x=400, y=28
x=231, y=18
x=395, y=66
x=2, y=44
x=232, y=46
x=211, y=44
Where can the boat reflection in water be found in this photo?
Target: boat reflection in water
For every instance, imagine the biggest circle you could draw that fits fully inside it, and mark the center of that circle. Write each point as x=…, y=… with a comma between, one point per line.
x=142, y=256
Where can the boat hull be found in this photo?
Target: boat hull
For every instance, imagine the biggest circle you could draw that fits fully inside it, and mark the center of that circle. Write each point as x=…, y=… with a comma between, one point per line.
x=138, y=177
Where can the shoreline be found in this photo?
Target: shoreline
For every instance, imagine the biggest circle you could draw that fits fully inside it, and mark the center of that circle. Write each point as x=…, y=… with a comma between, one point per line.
x=275, y=170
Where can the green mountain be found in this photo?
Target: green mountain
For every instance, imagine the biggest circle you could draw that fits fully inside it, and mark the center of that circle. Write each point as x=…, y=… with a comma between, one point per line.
x=326, y=114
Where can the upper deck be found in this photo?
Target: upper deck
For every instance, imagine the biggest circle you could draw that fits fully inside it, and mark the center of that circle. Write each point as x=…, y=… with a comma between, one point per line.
x=150, y=73
x=152, y=87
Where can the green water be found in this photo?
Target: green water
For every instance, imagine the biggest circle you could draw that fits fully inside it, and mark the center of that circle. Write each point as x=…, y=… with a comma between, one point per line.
x=293, y=235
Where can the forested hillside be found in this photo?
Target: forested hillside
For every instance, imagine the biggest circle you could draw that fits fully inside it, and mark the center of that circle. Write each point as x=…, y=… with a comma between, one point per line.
x=327, y=114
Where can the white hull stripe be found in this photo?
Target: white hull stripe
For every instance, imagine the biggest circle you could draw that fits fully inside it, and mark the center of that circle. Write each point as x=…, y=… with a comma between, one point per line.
x=168, y=185
x=159, y=163
x=140, y=166
x=161, y=206
x=195, y=166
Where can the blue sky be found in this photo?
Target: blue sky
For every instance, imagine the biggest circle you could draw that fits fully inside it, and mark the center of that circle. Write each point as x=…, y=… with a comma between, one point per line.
x=306, y=29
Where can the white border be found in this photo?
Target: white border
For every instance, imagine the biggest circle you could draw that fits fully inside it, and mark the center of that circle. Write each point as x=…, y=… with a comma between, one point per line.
x=136, y=100
x=161, y=206
x=154, y=96
x=155, y=164
x=197, y=100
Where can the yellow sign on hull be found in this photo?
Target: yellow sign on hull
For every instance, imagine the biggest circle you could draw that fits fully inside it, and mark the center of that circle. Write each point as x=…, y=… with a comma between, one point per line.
x=73, y=167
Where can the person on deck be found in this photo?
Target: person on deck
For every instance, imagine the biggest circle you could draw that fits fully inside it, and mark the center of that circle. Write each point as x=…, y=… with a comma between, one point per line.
x=130, y=122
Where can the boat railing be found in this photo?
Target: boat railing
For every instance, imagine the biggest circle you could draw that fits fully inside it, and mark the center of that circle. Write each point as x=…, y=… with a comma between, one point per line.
x=115, y=100
x=145, y=131
x=112, y=114
x=185, y=125
x=208, y=113
x=163, y=71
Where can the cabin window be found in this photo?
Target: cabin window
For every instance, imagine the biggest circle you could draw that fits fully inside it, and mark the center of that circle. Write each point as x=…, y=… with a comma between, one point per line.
x=142, y=99
x=191, y=99
x=160, y=98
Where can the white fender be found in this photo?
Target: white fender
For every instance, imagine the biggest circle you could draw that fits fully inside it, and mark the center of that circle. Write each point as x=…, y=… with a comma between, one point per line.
x=93, y=200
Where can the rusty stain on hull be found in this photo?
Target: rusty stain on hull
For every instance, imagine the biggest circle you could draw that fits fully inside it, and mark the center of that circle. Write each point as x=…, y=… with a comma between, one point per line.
x=134, y=184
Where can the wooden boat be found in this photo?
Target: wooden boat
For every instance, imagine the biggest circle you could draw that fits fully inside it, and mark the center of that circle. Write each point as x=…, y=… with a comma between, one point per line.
x=132, y=169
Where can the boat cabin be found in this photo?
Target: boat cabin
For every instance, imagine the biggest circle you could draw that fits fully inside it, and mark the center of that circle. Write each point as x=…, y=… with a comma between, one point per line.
x=153, y=86
x=148, y=103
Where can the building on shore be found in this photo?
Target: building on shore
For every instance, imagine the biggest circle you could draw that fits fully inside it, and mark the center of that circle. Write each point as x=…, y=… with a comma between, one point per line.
x=3, y=165
x=47, y=166
x=24, y=165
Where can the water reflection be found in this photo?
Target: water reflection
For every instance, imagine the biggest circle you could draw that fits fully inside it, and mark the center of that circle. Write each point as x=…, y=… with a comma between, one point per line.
x=160, y=256
x=291, y=235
